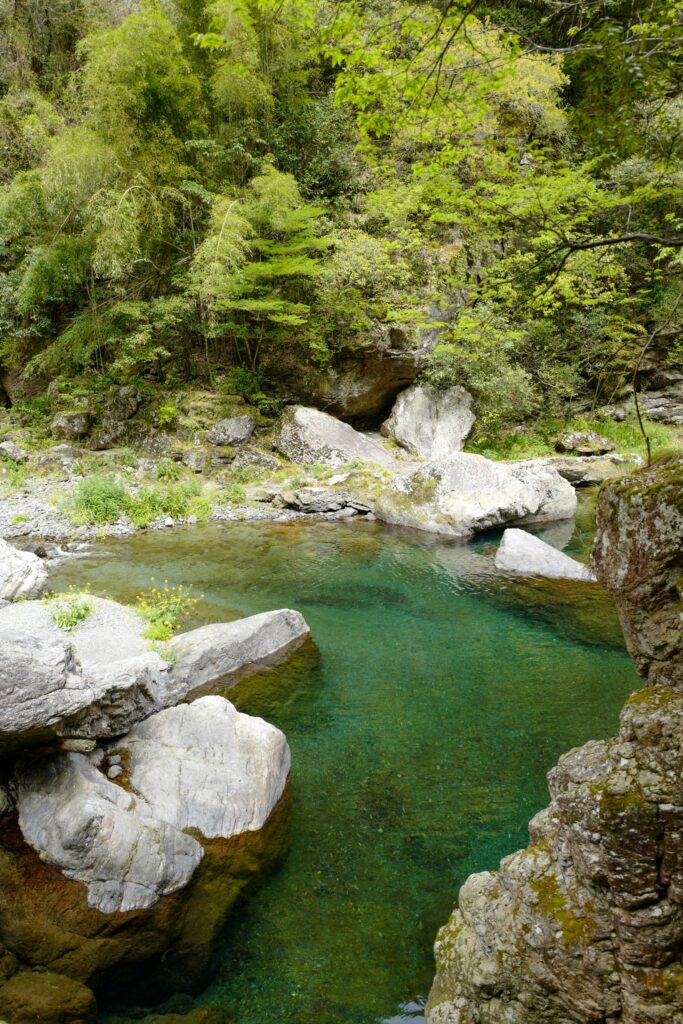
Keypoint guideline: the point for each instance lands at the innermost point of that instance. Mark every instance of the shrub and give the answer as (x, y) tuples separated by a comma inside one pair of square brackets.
[(99, 500), (234, 493), (165, 610)]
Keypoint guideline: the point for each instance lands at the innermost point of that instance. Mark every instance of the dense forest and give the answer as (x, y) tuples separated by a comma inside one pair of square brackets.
[(244, 192)]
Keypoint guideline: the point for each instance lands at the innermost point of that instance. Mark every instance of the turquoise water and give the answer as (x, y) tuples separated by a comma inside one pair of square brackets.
[(420, 737)]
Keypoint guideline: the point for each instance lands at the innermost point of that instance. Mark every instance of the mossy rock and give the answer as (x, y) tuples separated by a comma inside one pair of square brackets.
[(35, 997)]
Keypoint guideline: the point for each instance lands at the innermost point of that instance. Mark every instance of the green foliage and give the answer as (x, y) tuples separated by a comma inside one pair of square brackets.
[(98, 500), (165, 609), (259, 188), (68, 610)]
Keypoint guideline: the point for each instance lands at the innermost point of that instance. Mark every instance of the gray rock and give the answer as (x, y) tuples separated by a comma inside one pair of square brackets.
[(308, 436), (314, 499), (72, 426), (97, 833), (588, 470), (101, 678), (22, 574), (468, 493), (208, 767), (583, 442), (521, 552), (234, 430), (221, 653), (252, 457), (10, 450), (195, 459), (115, 772), (429, 422)]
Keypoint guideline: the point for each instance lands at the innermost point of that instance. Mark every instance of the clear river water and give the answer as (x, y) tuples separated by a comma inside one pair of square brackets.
[(421, 732)]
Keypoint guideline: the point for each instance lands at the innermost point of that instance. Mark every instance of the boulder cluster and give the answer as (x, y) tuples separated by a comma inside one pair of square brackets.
[(136, 801), (585, 926)]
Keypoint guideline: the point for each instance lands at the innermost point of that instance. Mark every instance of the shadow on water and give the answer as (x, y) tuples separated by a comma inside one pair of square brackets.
[(422, 723)]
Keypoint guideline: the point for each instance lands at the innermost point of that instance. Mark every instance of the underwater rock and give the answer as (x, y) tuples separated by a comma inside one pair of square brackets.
[(309, 436), (431, 422), (41, 997), (523, 553), (466, 494), (585, 926), (22, 574)]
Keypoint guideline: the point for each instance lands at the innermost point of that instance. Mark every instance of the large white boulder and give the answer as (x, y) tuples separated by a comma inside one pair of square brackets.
[(97, 833), (308, 436), (203, 766), (206, 766), (22, 574), (102, 677), (220, 653), (430, 422), (521, 552), (466, 494)]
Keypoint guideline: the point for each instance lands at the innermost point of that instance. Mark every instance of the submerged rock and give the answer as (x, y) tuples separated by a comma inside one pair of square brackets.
[(431, 422), (466, 494), (42, 997), (521, 552), (585, 926), (22, 574), (309, 436)]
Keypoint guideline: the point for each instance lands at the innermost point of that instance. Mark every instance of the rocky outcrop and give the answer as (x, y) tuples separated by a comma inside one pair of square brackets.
[(587, 470), (307, 436), (639, 555), (71, 426), (126, 831), (233, 430), (202, 766), (468, 493), (583, 442), (585, 926), (431, 422), (100, 678), (22, 574), (521, 552)]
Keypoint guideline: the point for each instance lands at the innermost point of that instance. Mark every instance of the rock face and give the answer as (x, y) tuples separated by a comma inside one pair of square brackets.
[(101, 678), (585, 926), (234, 430), (97, 833), (203, 766), (308, 436), (521, 552), (583, 442), (432, 423), (22, 574), (468, 493), (71, 426), (237, 764), (639, 555)]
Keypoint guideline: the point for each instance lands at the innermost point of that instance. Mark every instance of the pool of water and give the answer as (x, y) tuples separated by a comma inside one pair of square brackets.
[(421, 733)]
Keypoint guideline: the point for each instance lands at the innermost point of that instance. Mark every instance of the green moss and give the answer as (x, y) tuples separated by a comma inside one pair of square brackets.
[(553, 903)]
